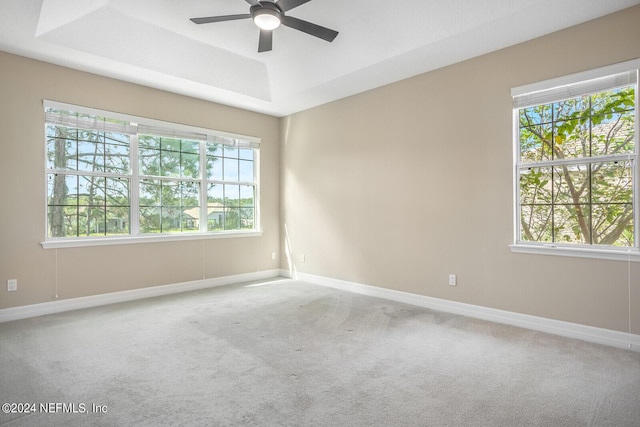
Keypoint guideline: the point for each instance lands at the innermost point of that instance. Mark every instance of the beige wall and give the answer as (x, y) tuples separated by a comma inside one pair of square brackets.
[(24, 83), (396, 187), (400, 186)]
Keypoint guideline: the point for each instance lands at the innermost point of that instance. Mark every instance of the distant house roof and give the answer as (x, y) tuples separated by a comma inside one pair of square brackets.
[(214, 208)]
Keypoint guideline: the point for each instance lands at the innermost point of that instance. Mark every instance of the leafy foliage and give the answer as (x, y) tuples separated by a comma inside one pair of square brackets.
[(582, 194)]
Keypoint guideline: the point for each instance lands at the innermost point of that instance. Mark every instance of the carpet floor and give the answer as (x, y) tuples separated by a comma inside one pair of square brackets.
[(289, 353)]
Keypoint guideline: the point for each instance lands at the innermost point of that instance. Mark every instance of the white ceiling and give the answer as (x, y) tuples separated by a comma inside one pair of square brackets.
[(152, 42)]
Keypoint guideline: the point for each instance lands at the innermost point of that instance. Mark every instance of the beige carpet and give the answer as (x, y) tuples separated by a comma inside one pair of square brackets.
[(293, 354)]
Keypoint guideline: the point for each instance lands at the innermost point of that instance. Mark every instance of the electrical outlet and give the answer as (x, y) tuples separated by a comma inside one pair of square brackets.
[(273, 255), (303, 258), (12, 285), (453, 280)]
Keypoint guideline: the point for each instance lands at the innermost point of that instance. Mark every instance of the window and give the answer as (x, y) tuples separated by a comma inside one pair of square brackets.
[(576, 162), (111, 176)]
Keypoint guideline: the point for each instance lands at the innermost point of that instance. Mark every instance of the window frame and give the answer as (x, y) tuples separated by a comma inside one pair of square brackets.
[(144, 126), (561, 88)]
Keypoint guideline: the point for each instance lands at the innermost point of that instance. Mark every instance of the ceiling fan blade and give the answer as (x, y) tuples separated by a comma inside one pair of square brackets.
[(210, 19), (253, 2), (290, 4), (309, 28), (265, 42)]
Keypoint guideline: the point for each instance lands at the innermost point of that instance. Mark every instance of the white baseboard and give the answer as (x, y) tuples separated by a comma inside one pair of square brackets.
[(566, 329), (571, 330), (58, 306)]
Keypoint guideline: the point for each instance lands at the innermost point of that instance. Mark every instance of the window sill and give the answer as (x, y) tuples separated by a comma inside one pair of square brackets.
[(599, 253), (127, 240)]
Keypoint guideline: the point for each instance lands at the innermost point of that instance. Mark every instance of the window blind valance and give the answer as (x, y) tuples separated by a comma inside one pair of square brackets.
[(103, 121), (88, 123), (594, 81)]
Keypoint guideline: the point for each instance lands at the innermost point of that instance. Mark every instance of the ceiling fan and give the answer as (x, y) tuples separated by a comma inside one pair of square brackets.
[(268, 15)]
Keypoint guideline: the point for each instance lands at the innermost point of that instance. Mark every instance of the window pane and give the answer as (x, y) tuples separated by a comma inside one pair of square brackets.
[(52, 152), (571, 108), (215, 194), (149, 219), (55, 131), (91, 191), (612, 182), (148, 141), (612, 195), (245, 154), (214, 168), (536, 115), (117, 192), (62, 189), (61, 154), (63, 221), (69, 194), (190, 194), (116, 159), (535, 143), (191, 219), (170, 194), (90, 156), (170, 163), (613, 134), (170, 144), (192, 147), (613, 224), (246, 218), (56, 218), (214, 149), (247, 196), (232, 195), (246, 171), (190, 167), (215, 218), (230, 170), (571, 139), (571, 224), (230, 152), (232, 219), (116, 138), (571, 184), (536, 223), (616, 100), (117, 220), (71, 221), (94, 221), (535, 186), (150, 192), (149, 160), (171, 219)]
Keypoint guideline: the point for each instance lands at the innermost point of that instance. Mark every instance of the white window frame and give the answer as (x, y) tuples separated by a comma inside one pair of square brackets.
[(140, 125), (567, 87)]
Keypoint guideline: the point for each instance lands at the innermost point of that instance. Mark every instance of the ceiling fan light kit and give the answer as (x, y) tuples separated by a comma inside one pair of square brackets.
[(268, 15)]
